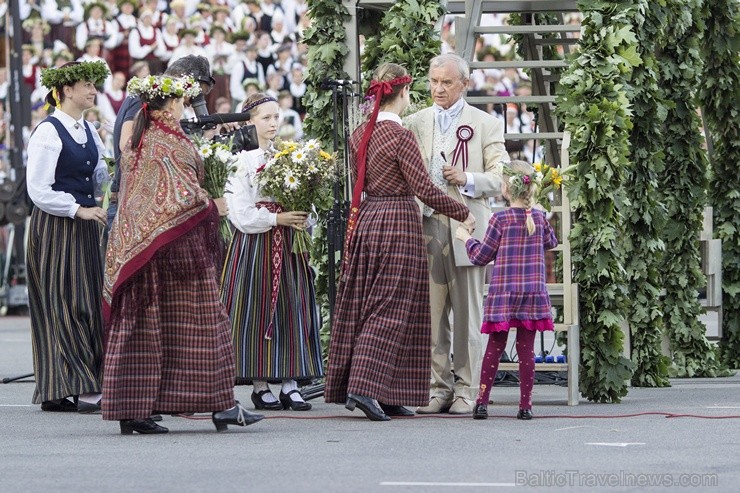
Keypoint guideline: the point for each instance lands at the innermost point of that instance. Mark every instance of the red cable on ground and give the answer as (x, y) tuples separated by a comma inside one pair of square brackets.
[(467, 416)]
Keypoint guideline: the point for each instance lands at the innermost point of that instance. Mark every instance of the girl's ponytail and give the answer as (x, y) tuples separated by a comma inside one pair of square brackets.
[(530, 221)]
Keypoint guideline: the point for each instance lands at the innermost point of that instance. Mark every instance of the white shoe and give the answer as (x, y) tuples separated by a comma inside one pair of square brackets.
[(461, 406), (437, 405)]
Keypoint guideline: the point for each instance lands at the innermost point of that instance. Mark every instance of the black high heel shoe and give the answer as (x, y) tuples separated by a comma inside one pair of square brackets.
[(391, 410), (367, 406), (525, 414), (260, 404), (480, 411), (237, 416), (289, 403), (143, 426)]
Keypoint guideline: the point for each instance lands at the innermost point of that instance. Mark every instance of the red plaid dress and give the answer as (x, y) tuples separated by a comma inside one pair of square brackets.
[(381, 337)]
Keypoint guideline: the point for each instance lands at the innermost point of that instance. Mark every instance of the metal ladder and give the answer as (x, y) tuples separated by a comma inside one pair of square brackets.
[(544, 76)]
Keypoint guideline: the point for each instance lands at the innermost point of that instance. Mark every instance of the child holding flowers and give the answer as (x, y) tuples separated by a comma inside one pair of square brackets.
[(268, 290), (516, 239)]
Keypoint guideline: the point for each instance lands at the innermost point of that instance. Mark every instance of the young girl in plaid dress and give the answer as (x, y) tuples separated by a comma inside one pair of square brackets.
[(516, 239)]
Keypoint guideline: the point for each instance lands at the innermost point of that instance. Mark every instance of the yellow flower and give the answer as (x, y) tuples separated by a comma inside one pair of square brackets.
[(538, 167), (557, 178), (325, 155)]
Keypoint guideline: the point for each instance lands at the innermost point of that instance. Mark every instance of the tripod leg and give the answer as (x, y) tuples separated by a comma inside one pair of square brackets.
[(19, 377)]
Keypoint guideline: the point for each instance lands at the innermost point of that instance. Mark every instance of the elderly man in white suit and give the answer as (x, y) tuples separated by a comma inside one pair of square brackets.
[(462, 147)]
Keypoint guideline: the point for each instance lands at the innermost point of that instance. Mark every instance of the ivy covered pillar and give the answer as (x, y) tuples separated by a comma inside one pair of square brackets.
[(594, 106), (684, 190), (645, 217), (720, 84)]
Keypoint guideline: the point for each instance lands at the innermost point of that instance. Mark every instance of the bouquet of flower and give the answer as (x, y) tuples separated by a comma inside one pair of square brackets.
[(548, 179), (219, 162), (300, 177)]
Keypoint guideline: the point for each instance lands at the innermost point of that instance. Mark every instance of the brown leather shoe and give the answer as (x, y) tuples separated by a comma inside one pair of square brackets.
[(461, 406), (437, 405)]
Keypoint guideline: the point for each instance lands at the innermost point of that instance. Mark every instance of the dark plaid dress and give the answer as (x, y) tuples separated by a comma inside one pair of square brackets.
[(169, 344), (381, 337)]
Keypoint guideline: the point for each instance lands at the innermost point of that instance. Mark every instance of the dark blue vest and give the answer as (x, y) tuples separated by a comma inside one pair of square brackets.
[(76, 164)]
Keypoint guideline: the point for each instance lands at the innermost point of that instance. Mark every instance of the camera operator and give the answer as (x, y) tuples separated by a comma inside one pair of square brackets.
[(193, 65)]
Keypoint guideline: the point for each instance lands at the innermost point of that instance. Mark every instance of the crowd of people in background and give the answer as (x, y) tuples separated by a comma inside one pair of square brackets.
[(252, 46)]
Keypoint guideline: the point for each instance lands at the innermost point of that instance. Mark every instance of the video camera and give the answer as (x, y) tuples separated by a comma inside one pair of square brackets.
[(244, 139)]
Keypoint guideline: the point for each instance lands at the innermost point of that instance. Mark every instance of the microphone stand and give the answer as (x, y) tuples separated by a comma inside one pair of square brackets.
[(342, 94), (334, 219)]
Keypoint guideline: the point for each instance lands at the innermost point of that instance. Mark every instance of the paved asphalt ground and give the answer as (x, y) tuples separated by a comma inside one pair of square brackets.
[(648, 439)]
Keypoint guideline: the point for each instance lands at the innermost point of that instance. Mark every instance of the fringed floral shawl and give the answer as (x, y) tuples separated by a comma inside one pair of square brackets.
[(161, 199)]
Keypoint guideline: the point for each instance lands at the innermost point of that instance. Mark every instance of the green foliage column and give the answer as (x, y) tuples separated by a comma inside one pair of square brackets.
[(593, 104), (720, 98), (684, 190), (645, 217), (407, 36)]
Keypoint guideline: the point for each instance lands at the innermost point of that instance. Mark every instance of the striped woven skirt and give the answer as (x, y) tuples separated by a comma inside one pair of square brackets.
[(65, 282), (169, 347), (381, 334), (294, 350)]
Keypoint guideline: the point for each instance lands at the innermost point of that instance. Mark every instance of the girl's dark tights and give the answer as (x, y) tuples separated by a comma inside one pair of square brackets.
[(525, 352)]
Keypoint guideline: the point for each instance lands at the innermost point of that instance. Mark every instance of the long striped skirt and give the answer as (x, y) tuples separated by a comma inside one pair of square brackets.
[(169, 346), (65, 282), (381, 334), (294, 350)]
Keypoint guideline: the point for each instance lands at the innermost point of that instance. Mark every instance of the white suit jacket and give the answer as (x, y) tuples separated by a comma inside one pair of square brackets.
[(485, 150)]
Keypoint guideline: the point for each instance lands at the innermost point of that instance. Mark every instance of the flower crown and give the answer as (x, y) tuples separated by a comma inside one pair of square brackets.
[(162, 87), (519, 183), (68, 74)]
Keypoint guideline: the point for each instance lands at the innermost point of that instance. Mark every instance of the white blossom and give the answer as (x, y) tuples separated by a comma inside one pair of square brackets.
[(312, 144), (291, 181), (299, 156), (205, 151), (223, 155)]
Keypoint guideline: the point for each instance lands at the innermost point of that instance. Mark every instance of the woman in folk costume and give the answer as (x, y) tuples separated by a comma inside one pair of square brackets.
[(143, 42), (64, 266), (169, 344), (126, 22), (267, 289), (379, 356), (97, 25)]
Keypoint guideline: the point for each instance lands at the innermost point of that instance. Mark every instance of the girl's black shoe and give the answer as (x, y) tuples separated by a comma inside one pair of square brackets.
[(289, 403), (143, 426), (63, 406), (480, 411), (260, 404), (524, 414), (237, 416)]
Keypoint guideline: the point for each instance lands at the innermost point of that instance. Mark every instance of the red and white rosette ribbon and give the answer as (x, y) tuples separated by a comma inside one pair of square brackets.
[(464, 134)]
